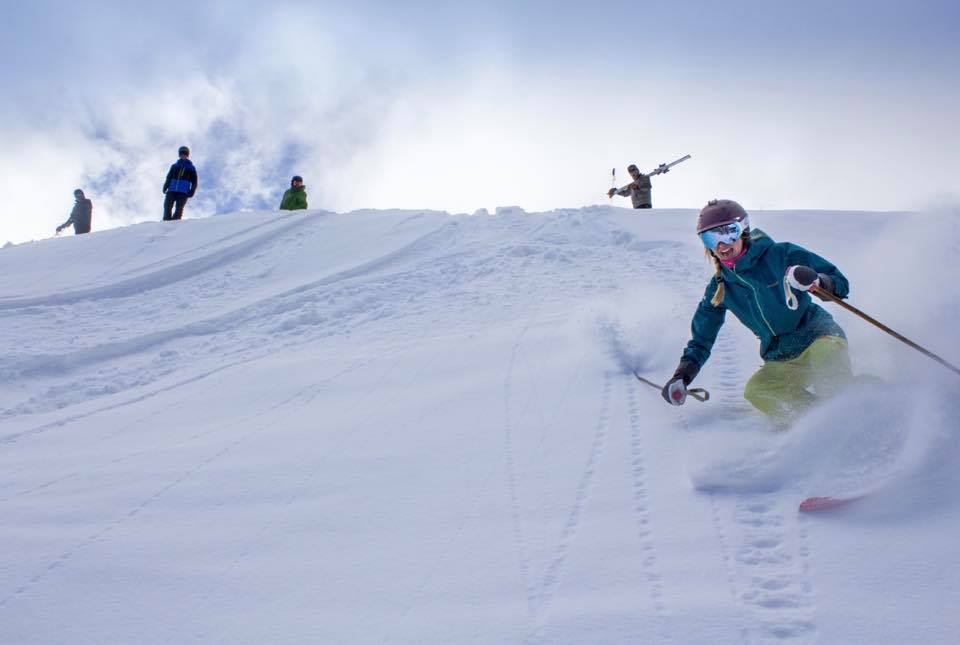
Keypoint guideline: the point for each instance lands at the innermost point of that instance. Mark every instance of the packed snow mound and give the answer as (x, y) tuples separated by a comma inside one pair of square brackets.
[(427, 426)]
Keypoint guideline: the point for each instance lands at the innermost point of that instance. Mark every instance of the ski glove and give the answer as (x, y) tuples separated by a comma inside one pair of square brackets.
[(802, 277), (675, 391), (826, 283)]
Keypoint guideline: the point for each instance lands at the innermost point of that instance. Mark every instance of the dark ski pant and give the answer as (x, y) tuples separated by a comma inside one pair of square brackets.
[(180, 199)]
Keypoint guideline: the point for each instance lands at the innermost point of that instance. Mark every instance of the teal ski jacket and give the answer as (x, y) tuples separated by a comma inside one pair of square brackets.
[(754, 293)]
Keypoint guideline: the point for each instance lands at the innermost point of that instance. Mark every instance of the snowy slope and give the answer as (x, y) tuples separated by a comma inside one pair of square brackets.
[(412, 427)]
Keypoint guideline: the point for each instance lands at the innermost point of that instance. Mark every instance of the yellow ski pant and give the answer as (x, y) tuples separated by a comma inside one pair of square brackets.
[(781, 389)]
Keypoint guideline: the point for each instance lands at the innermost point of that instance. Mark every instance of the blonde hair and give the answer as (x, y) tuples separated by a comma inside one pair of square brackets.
[(718, 294)]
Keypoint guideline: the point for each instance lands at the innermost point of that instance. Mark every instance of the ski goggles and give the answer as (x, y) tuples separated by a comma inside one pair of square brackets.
[(725, 233)]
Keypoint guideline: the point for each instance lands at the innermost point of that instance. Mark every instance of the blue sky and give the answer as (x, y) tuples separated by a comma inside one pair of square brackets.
[(845, 105)]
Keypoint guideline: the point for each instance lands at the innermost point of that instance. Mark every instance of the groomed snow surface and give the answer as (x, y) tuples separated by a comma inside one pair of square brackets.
[(396, 427)]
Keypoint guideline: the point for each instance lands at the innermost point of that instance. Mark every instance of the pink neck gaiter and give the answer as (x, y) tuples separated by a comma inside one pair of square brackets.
[(729, 263)]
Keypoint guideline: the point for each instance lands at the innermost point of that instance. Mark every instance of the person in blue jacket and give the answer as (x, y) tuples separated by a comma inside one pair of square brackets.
[(765, 285), (181, 185)]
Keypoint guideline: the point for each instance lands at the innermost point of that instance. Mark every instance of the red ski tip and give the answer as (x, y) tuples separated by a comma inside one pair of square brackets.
[(823, 503)]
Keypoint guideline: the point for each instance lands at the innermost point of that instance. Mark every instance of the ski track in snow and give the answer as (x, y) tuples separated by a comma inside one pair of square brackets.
[(769, 556), (768, 567), (67, 420), (304, 475), (112, 434), (437, 565), (270, 223), (166, 274), (299, 400), (287, 313), (683, 280), (552, 575), (103, 532), (308, 393), (541, 589), (766, 556), (513, 488), (723, 544), (645, 524)]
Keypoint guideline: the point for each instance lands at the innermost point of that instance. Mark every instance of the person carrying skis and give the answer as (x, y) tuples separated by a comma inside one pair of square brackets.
[(81, 216), (181, 185), (765, 284), (295, 197), (639, 189)]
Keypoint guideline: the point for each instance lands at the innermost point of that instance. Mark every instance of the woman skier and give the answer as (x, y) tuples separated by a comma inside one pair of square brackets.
[(765, 285)]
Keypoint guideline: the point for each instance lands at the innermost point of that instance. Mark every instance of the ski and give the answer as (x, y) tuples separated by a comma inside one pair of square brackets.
[(665, 167), (827, 502)]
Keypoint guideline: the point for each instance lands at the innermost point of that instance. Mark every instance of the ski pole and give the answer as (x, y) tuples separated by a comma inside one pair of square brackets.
[(829, 296), (698, 393), (613, 181)]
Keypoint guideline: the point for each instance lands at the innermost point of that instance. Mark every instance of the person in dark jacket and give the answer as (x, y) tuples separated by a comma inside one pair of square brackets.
[(639, 190), (181, 185), (765, 285), (81, 216), (295, 197)]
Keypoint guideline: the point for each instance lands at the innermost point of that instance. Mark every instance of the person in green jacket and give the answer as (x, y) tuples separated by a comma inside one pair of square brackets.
[(765, 285), (295, 197)]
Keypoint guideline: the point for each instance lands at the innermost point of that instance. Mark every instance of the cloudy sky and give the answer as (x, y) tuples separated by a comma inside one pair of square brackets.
[(820, 104)]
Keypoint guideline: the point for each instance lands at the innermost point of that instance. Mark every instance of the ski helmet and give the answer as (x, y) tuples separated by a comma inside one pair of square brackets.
[(718, 212), (632, 167), (184, 150), (296, 178), (78, 193)]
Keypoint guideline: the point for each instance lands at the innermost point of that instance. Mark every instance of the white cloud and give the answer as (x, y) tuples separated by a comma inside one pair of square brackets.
[(446, 109)]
